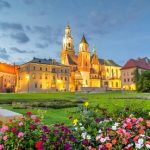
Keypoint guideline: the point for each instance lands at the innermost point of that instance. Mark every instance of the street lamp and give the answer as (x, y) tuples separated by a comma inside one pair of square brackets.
[(28, 77)]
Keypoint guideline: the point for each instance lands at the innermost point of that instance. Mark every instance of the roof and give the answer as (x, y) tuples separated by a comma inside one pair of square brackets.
[(83, 40), (45, 61), (108, 62), (7, 68), (132, 63), (72, 60)]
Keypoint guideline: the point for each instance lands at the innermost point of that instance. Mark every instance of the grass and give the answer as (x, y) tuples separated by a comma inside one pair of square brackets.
[(109, 100)]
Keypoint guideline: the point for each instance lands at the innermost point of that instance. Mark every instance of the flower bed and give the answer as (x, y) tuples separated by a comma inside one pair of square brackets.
[(90, 131)]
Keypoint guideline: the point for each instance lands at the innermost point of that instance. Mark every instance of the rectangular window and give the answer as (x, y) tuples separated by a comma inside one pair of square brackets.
[(35, 85), (41, 86)]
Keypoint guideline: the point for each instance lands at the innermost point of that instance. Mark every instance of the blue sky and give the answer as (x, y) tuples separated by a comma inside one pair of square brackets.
[(119, 29)]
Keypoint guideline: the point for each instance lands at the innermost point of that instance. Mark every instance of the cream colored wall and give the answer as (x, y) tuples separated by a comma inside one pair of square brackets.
[(46, 80), (127, 78)]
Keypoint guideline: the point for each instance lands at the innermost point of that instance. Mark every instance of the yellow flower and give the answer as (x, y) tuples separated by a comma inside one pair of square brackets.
[(86, 104), (75, 121), (149, 113)]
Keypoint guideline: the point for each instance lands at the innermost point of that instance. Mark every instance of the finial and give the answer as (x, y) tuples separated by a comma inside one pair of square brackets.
[(94, 49)]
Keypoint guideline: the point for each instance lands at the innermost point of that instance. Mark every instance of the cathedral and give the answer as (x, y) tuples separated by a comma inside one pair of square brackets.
[(87, 70)]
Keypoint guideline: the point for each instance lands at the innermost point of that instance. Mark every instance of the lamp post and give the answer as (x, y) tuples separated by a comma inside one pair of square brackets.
[(28, 77)]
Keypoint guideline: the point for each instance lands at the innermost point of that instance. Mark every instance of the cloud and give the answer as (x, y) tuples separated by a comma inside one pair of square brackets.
[(15, 49), (46, 35), (20, 37), (40, 45), (11, 26), (3, 54), (4, 4)]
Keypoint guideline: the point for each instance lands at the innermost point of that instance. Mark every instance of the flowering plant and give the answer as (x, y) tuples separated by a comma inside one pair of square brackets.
[(91, 130)]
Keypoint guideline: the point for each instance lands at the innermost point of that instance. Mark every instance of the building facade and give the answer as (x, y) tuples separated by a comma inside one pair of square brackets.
[(86, 69), (8, 75), (42, 75), (129, 69)]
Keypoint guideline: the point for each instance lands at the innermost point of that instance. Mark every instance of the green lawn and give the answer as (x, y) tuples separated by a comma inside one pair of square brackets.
[(109, 100)]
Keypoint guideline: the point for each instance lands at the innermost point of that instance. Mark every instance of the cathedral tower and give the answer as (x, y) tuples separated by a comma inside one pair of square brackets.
[(84, 61), (67, 45), (84, 56)]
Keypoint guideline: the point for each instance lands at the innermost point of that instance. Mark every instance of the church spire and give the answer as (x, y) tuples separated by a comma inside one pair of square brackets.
[(83, 40)]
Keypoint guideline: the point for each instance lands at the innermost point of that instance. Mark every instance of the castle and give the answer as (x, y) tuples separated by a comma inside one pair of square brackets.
[(76, 72), (88, 70)]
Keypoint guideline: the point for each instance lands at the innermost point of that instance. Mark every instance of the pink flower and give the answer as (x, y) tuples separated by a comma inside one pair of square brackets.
[(20, 124), (33, 117), (98, 137), (1, 147), (141, 119), (4, 129), (5, 137), (20, 134), (148, 123)]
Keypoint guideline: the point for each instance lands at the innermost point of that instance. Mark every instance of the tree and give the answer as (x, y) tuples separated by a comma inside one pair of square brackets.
[(136, 77), (143, 83)]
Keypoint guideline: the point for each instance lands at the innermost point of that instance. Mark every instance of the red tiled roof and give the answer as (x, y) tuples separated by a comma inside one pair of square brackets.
[(6, 68), (131, 63)]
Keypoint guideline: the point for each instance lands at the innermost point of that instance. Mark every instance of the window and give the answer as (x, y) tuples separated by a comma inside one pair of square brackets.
[(45, 69), (41, 86), (116, 84), (53, 70), (40, 68), (35, 85), (112, 84), (124, 80), (40, 76), (34, 68), (61, 78), (33, 76), (128, 80), (65, 78), (46, 77)]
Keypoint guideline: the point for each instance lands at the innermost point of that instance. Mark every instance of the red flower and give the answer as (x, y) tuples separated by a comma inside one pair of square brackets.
[(32, 126), (29, 113), (39, 145), (13, 129), (129, 125)]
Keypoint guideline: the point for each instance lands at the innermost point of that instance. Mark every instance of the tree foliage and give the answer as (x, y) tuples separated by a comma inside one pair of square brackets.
[(143, 84)]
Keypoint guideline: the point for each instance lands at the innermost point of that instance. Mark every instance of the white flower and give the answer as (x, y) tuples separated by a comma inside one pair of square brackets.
[(138, 146), (102, 140), (76, 128), (100, 131), (148, 146), (82, 128), (80, 124), (142, 135), (88, 137), (140, 141), (84, 135), (114, 128), (116, 124)]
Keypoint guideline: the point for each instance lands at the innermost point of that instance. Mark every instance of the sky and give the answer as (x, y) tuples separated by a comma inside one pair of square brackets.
[(118, 29)]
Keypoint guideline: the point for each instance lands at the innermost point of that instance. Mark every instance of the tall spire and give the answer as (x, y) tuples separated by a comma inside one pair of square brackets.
[(94, 49), (83, 40)]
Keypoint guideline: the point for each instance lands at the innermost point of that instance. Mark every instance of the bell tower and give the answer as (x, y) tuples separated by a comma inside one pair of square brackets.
[(84, 62), (84, 56), (67, 45)]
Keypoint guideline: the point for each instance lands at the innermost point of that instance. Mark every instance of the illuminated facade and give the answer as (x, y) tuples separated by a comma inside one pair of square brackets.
[(87, 70), (128, 72), (42, 75), (8, 74)]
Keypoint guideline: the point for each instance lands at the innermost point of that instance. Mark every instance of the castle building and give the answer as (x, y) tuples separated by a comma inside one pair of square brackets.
[(42, 75), (128, 71), (8, 75), (88, 70)]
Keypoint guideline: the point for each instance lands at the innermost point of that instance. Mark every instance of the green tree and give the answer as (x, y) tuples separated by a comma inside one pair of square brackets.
[(143, 84), (136, 77)]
